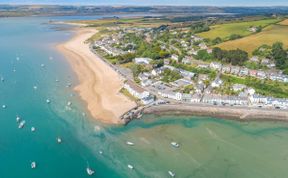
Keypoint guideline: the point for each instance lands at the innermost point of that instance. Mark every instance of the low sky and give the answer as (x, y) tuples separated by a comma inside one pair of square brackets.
[(155, 2)]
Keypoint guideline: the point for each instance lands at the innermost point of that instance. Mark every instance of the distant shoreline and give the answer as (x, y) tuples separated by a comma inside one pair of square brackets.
[(234, 113)]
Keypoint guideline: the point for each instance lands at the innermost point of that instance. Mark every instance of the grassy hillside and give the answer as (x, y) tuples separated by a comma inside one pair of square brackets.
[(126, 22), (240, 28), (268, 36)]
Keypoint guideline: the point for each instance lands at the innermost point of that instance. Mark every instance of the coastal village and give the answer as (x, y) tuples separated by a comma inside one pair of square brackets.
[(178, 73)]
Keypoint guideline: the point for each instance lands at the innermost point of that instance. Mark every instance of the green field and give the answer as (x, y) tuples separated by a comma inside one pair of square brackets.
[(268, 36), (240, 28), (126, 22)]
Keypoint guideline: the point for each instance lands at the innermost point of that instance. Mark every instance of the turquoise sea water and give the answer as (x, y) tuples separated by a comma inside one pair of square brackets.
[(209, 148)]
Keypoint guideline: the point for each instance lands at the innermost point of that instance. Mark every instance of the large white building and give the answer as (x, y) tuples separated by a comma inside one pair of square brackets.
[(142, 60), (171, 95), (138, 92)]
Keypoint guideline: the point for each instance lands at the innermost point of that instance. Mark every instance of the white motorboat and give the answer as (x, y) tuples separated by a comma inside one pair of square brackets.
[(89, 171), (2, 79), (4, 106), (100, 152), (59, 140), (130, 166), (175, 144), (172, 174), (42, 65), (48, 101), (22, 124), (130, 143), (35, 87), (33, 129), (33, 165)]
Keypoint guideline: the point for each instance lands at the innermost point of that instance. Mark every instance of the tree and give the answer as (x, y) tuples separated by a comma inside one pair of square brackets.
[(237, 57), (279, 55), (203, 55), (218, 53), (234, 37), (216, 41)]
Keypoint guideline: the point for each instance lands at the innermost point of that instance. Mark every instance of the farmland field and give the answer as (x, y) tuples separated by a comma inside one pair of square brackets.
[(268, 36), (284, 22), (240, 28)]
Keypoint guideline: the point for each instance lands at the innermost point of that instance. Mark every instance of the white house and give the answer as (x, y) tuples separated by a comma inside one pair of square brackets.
[(171, 95), (216, 83), (215, 65), (142, 60), (138, 92), (175, 57), (258, 99)]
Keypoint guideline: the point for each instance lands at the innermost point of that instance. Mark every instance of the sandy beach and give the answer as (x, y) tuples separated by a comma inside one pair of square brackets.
[(99, 85)]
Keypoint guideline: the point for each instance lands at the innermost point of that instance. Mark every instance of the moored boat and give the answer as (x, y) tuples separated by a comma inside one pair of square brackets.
[(175, 144), (33, 165), (89, 171), (172, 174), (33, 129), (130, 166), (130, 143), (59, 140), (22, 124)]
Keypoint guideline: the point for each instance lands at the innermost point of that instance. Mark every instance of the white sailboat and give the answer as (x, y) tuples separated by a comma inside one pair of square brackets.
[(69, 103), (33, 129), (59, 140), (18, 119)]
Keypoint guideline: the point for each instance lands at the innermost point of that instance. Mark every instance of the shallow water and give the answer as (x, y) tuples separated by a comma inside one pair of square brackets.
[(208, 147)]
